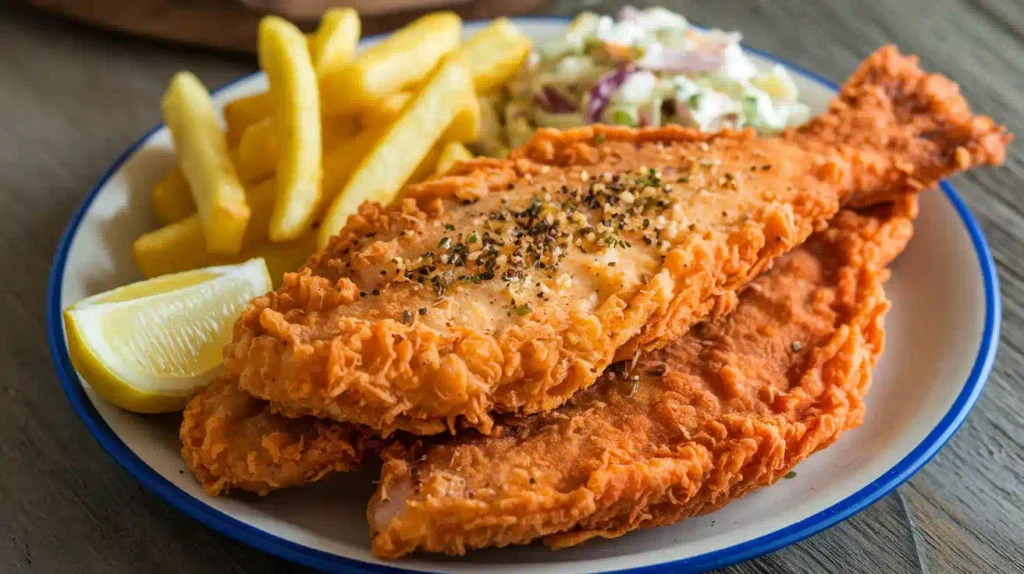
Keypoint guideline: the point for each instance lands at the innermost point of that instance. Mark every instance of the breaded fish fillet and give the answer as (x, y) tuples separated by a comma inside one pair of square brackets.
[(231, 440), (729, 407), (507, 286)]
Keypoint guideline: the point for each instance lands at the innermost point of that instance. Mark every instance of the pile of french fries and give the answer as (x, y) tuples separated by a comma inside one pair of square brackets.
[(336, 128)]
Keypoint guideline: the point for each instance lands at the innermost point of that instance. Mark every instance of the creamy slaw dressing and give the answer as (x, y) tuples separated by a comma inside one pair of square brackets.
[(643, 68)]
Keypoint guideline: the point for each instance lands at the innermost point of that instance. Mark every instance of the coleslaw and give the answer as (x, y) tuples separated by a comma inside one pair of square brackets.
[(644, 68)]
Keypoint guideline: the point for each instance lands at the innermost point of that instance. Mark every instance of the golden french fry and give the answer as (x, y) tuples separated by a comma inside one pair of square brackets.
[(403, 146), (242, 113), (399, 61), (451, 154), (335, 40), (385, 111), (172, 199), (284, 56), (466, 125), (180, 246), (427, 166), (341, 160), (203, 157), (495, 54), (256, 156), (336, 130)]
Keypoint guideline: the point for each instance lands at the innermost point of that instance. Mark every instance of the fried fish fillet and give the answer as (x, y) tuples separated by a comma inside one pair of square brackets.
[(728, 408), (231, 440), (507, 286)]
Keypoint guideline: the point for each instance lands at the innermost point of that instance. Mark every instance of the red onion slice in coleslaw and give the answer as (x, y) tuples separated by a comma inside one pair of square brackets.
[(605, 88), (553, 101)]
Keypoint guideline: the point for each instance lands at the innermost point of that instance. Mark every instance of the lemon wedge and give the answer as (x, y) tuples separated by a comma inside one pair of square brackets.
[(146, 347)]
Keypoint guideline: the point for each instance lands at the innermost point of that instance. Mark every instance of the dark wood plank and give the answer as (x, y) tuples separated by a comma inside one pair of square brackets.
[(74, 98)]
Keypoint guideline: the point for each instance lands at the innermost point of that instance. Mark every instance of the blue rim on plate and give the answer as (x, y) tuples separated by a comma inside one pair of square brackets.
[(267, 542)]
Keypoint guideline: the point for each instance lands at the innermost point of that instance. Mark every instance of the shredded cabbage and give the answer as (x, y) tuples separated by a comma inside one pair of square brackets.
[(644, 68)]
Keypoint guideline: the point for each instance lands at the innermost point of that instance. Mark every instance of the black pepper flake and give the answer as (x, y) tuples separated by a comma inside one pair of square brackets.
[(449, 227), (407, 317), (422, 310), (657, 370), (533, 480), (375, 292), (441, 282)]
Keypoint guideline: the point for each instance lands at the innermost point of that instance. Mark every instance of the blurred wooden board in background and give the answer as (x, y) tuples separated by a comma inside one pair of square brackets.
[(230, 25)]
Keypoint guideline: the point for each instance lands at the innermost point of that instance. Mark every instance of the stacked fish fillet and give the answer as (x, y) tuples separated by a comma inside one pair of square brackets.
[(613, 329)]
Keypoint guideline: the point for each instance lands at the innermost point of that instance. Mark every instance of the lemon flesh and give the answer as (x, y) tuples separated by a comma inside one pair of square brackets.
[(148, 346)]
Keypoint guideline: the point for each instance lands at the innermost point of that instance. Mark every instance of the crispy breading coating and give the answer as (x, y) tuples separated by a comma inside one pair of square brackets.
[(728, 408), (232, 441), (507, 286)]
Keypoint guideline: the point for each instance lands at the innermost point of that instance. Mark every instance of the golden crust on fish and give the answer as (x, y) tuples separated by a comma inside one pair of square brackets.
[(232, 441), (729, 407), (507, 286)]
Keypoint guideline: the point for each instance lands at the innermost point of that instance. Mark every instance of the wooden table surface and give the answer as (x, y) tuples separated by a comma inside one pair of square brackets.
[(71, 99)]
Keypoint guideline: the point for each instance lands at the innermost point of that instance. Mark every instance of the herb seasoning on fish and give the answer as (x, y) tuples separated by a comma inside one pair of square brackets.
[(599, 213)]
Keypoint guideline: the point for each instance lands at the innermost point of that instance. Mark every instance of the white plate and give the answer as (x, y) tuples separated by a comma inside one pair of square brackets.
[(941, 340)]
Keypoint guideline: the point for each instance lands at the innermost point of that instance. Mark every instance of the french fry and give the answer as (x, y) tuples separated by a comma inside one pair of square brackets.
[(342, 160), (256, 156), (451, 153), (336, 130), (284, 56), (335, 40), (330, 48), (242, 113), (385, 111), (180, 246), (495, 54), (172, 199), (400, 61), (394, 157), (466, 125), (427, 166), (203, 157)]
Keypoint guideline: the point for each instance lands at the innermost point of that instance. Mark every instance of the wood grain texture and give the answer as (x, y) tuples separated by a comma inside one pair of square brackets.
[(231, 25), (72, 99)]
